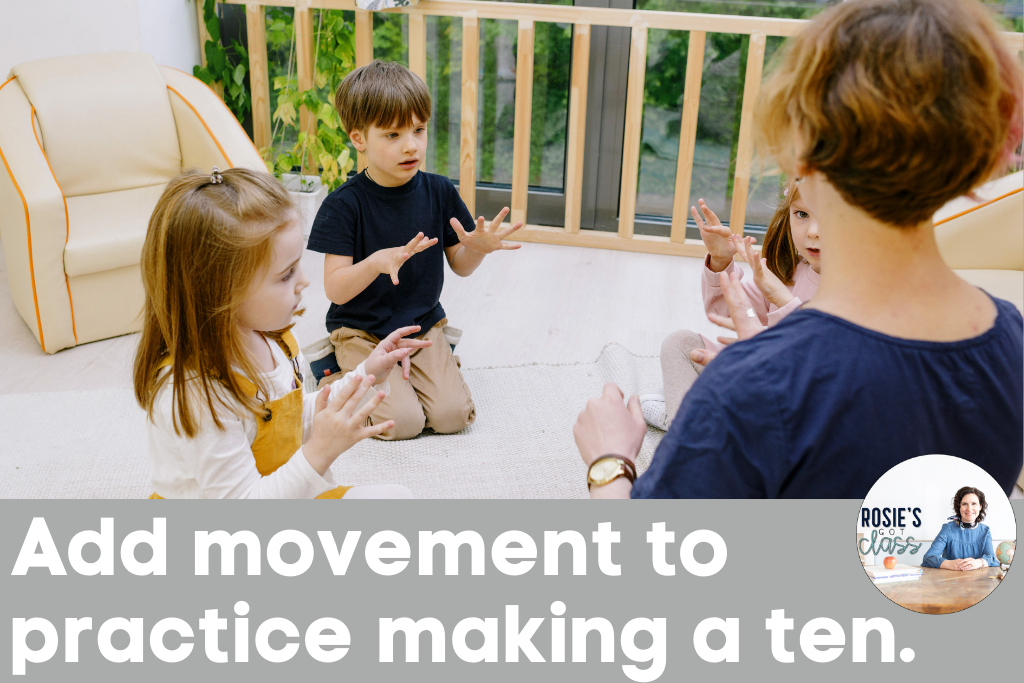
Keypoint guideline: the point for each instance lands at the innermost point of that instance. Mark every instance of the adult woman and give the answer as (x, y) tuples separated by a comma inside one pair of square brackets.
[(883, 110), (963, 543)]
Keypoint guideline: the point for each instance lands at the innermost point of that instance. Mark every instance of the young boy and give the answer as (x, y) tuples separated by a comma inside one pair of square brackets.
[(385, 220)]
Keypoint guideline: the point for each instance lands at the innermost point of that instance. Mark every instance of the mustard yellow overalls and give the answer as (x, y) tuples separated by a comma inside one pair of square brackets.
[(279, 434)]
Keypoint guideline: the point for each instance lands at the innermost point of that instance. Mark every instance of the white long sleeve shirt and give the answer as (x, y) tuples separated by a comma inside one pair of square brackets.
[(220, 463)]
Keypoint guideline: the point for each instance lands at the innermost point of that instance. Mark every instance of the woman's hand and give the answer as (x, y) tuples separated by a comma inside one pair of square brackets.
[(963, 565), (741, 320), (393, 349), (774, 290), (717, 238), (606, 427), (338, 424)]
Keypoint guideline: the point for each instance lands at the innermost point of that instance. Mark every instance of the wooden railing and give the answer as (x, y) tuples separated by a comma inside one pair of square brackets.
[(582, 18)]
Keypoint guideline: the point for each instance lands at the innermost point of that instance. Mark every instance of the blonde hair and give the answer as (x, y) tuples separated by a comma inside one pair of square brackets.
[(205, 245), (902, 105), (779, 248)]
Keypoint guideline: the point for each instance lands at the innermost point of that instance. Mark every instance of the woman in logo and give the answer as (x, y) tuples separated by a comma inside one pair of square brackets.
[(963, 543)]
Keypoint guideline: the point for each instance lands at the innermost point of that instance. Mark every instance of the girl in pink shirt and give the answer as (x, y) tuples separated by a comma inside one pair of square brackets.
[(784, 279)]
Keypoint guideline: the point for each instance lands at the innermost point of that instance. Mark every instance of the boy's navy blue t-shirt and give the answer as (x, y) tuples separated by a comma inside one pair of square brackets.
[(817, 407), (361, 217)]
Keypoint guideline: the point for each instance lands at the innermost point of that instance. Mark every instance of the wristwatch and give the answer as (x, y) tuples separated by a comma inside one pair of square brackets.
[(608, 468)]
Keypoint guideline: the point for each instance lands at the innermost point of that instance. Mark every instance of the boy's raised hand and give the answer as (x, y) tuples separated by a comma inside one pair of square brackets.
[(393, 349), (388, 261), (486, 239), (717, 238)]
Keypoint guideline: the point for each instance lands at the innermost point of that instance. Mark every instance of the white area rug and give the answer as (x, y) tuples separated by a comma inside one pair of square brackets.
[(92, 444)]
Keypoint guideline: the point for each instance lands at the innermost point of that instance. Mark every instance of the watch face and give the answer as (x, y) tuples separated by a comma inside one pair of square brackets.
[(605, 469)]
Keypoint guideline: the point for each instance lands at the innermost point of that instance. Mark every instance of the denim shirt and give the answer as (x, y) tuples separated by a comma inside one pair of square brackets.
[(954, 543)]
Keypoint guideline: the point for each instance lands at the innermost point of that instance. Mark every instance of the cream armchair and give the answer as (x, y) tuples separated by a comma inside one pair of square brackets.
[(982, 237), (88, 144)]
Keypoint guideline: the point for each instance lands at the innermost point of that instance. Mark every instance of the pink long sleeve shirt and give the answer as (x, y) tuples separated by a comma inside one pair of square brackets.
[(805, 284)]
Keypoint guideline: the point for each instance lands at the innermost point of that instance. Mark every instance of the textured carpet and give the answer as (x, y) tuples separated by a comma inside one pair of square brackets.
[(92, 444)]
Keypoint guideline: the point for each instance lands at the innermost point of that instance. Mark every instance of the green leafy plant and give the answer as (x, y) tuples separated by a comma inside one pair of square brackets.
[(334, 57), (225, 66)]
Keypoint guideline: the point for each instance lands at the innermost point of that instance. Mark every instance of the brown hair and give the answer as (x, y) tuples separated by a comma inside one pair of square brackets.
[(205, 245), (381, 94), (958, 498), (901, 104), (779, 248)]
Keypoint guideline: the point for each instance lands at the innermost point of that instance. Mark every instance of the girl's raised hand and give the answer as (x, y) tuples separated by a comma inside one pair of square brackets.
[(717, 238), (338, 424), (485, 239), (742, 320), (774, 290), (393, 349)]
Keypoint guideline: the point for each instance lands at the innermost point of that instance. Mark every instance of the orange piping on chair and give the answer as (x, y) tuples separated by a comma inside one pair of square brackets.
[(221, 104), (67, 221), (28, 230), (983, 204), (214, 137)]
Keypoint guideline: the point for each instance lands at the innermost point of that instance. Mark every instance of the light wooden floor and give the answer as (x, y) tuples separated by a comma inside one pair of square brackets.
[(539, 304)]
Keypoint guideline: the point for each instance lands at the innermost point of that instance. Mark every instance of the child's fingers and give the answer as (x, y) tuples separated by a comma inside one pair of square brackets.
[(702, 356), (359, 416), (406, 364), (499, 218), (696, 217), (753, 258), (395, 338), (457, 227), (375, 430), (509, 247), (350, 405), (505, 233), (414, 241), (709, 215), (322, 398), (725, 341), (413, 343), (423, 246), (722, 321), (341, 396)]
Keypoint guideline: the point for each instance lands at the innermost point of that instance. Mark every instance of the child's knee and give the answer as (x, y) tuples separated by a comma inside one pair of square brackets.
[(681, 342), (452, 417), (409, 422)]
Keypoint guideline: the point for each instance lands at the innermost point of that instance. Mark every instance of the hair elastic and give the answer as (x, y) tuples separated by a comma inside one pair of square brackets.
[(215, 177)]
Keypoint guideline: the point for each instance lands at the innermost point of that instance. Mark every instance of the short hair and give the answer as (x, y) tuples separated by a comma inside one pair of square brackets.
[(902, 105), (381, 94), (960, 496)]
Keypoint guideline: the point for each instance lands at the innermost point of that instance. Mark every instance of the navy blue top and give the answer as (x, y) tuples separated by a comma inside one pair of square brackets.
[(954, 543), (361, 217), (817, 407)]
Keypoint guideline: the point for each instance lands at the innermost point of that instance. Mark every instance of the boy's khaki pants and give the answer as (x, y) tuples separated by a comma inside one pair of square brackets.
[(435, 396)]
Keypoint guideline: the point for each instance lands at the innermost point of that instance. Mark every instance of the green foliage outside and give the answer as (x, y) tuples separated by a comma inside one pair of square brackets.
[(226, 67)]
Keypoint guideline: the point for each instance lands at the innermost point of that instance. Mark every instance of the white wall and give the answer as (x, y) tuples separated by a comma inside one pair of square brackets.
[(34, 29), (929, 483)]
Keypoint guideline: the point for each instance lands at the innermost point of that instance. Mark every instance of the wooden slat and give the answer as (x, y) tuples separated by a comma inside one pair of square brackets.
[(745, 146), (634, 121), (568, 14), (304, 67), (470, 80), (524, 114), (577, 127), (204, 35), (599, 239), (418, 54), (259, 83), (364, 55), (687, 135)]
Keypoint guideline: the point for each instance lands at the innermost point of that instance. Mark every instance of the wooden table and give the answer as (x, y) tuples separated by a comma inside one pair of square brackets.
[(941, 591)]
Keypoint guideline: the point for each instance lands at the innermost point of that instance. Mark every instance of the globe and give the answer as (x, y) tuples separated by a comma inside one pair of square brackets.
[(1004, 552)]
